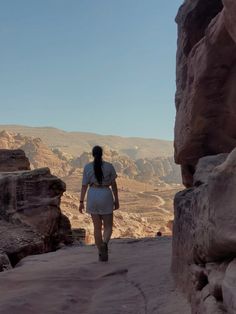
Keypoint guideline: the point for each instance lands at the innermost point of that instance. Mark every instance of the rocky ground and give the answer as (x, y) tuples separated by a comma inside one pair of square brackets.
[(146, 185), (136, 280), (150, 210)]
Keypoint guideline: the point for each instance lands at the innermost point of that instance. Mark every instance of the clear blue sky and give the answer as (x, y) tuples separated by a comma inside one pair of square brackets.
[(103, 66)]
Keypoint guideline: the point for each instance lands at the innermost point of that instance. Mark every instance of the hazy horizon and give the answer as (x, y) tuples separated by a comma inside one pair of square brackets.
[(104, 67), (81, 131)]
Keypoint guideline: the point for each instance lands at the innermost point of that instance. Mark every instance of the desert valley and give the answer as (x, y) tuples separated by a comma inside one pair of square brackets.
[(148, 179), (48, 261)]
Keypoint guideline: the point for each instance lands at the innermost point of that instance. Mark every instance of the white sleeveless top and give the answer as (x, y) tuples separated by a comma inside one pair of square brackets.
[(109, 174)]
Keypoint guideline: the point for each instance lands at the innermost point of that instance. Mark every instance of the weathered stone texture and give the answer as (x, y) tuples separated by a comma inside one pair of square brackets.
[(206, 76), (204, 236), (31, 221), (32, 198), (204, 232), (229, 287), (13, 160)]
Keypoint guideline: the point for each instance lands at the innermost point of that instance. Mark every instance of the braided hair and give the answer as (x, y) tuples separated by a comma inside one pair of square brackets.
[(97, 163)]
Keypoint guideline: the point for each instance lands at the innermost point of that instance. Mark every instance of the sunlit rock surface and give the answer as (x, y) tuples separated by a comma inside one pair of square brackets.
[(204, 236), (31, 221), (206, 76)]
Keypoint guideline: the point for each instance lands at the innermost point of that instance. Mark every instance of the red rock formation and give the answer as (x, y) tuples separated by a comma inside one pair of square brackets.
[(39, 154), (30, 217), (204, 236), (204, 231), (206, 75), (13, 160), (18, 240)]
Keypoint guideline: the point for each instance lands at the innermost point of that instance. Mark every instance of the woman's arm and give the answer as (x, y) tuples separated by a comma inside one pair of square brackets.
[(115, 192), (82, 196)]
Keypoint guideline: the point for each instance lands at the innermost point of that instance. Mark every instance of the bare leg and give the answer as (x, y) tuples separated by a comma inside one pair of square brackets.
[(97, 224), (108, 223)]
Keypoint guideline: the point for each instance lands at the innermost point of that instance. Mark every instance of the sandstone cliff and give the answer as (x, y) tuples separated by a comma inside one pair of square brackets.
[(205, 97), (155, 170), (204, 238), (31, 221), (39, 154)]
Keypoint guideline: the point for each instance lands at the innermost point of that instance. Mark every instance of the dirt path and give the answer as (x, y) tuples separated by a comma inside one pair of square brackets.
[(136, 280), (159, 199)]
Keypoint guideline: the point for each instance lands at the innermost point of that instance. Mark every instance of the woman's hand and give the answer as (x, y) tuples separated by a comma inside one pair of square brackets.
[(116, 204), (81, 207), (82, 196)]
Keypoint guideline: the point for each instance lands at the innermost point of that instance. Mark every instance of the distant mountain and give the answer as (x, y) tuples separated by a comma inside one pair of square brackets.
[(39, 154), (152, 170), (75, 143), (62, 163)]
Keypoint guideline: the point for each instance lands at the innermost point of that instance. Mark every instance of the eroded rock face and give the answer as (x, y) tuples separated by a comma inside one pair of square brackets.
[(230, 17), (229, 287), (17, 241), (31, 221), (36, 151), (206, 76), (204, 236), (204, 232), (13, 160)]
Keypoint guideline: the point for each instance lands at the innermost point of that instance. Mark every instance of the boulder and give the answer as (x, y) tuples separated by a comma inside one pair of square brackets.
[(31, 221), (207, 214), (204, 233), (205, 167), (32, 198), (13, 160)]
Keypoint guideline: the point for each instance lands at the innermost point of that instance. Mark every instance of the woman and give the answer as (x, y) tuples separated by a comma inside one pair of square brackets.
[(99, 175)]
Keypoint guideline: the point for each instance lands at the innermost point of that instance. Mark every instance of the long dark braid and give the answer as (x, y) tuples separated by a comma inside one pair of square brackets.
[(97, 164)]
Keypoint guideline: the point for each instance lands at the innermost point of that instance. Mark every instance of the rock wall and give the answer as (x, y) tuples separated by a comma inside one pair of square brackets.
[(206, 75), (204, 231), (37, 152), (31, 221), (13, 160), (204, 241)]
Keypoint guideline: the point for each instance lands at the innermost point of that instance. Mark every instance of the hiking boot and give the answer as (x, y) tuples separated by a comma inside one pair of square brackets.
[(103, 253)]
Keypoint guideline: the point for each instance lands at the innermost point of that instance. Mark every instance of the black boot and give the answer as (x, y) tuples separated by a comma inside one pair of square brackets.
[(103, 253)]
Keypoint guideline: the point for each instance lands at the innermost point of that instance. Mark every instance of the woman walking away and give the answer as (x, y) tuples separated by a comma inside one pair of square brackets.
[(100, 175)]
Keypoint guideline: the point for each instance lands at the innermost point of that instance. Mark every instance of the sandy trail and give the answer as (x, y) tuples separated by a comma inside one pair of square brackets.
[(136, 280), (161, 201)]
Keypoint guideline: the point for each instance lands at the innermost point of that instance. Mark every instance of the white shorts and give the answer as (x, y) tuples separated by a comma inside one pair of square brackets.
[(100, 201)]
